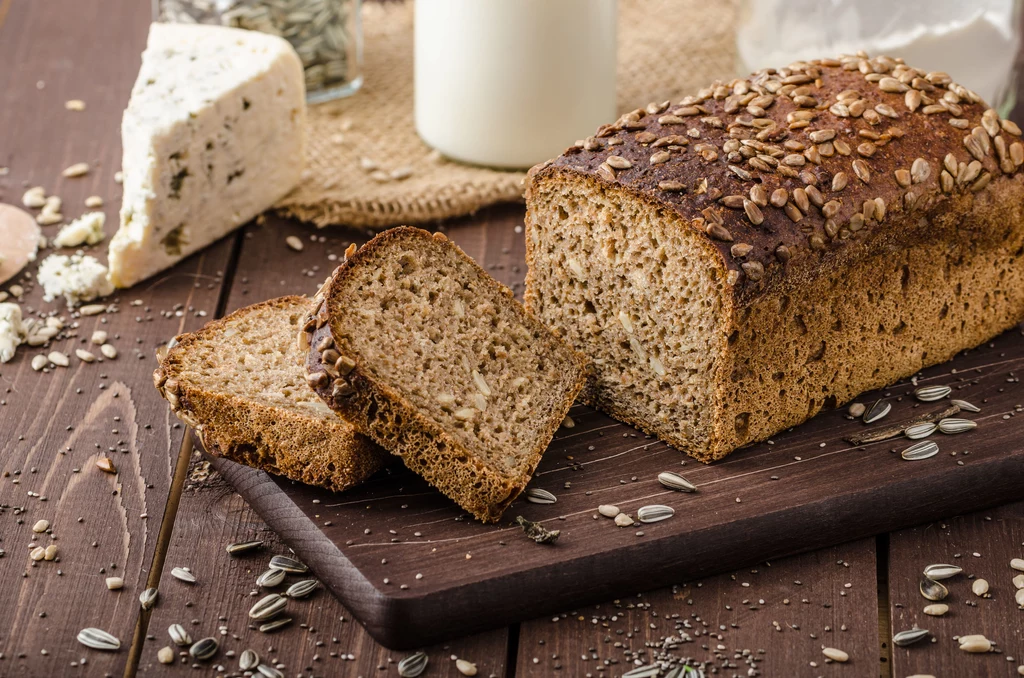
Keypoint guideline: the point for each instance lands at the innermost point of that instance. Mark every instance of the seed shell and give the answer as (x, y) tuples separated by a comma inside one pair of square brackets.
[(248, 660), (941, 571), (921, 430), (643, 672), (413, 665), (927, 394), (98, 639), (275, 625), (204, 649), (877, 411), (932, 590), (951, 425), (242, 547), (269, 671), (536, 495), (674, 481), (147, 599), (184, 575), (965, 406), (270, 578), (921, 450), (179, 636), (268, 607), (905, 638), (654, 513), (288, 565), (302, 589)]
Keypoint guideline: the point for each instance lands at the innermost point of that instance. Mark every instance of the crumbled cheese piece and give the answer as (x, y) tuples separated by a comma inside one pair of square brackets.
[(77, 278), (85, 230), (214, 134), (12, 332)]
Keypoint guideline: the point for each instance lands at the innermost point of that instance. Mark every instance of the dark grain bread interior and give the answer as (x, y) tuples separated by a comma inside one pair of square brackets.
[(239, 382), (421, 350), (738, 260)]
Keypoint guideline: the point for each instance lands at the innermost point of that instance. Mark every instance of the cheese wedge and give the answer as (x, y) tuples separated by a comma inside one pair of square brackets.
[(213, 135)]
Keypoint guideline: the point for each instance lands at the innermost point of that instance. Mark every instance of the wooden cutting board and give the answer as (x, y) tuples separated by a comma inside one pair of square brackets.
[(415, 569)]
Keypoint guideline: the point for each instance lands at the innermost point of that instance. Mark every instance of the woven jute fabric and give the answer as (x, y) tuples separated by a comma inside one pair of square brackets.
[(667, 49)]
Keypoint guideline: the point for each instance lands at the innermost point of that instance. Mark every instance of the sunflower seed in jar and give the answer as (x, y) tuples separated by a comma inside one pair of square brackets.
[(272, 626), (654, 513), (248, 660), (270, 578), (268, 607), (965, 406), (269, 671), (147, 599), (98, 639), (204, 649), (302, 589), (179, 636), (288, 565), (921, 430), (922, 450), (941, 571), (413, 665), (953, 425), (927, 394), (932, 590), (905, 638), (674, 481), (242, 547), (877, 411), (183, 574), (536, 495)]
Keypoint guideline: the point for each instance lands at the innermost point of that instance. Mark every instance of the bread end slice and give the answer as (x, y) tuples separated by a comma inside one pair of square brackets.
[(240, 384), (421, 350)]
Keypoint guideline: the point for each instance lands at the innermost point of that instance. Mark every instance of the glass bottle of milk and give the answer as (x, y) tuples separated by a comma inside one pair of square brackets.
[(974, 41)]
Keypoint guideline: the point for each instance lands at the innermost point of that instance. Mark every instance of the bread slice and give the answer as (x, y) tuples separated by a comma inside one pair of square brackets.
[(421, 350), (240, 384)]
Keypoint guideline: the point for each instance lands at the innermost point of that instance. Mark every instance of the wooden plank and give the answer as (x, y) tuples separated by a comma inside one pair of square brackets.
[(210, 516), (982, 544), (775, 618), (55, 424)]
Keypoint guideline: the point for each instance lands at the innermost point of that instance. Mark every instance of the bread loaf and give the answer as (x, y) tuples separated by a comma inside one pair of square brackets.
[(239, 382), (736, 261), (433, 359)]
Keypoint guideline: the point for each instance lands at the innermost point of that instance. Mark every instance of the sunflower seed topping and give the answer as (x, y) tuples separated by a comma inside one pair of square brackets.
[(302, 589), (927, 394), (98, 639), (654, 513), (921, 430), (271, 578), (413, 665), (536, 495), (268, 607), (204, 649), (179, 636), (921, 450), (955, 425), (932, 590), (877, 411), (184, 574), (674, 481), (905, 638), (288, 565), (941, 571)]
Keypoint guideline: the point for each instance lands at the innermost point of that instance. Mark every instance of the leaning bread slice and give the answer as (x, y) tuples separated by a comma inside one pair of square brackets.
[(421, 350), (239, 382)]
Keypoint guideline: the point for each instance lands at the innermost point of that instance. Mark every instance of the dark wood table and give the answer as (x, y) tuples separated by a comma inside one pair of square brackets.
[(166, 508)]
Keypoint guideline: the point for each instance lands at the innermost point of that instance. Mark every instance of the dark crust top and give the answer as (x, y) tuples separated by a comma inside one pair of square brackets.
[(722, 159)]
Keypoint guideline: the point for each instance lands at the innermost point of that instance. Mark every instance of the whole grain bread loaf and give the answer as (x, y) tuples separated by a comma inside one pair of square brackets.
[(736, 261), (425, 353), (239, 382)]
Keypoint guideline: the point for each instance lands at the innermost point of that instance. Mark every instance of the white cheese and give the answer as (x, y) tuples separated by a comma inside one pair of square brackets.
[(12, 332), (85, 230), (77, 278), (213, 135)]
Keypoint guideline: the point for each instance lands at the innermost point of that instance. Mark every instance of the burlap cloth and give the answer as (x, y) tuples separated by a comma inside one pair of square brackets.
[(667, 48)]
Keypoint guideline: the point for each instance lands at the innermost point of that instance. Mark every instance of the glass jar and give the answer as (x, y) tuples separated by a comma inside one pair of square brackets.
[(975, 42), (326, 34)]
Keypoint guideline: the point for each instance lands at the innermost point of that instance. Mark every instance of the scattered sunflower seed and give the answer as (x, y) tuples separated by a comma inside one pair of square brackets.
[(1017, 564), (179, 636), (248, 660), (921, 430), (106, 464), (1018, 596), (1018, 581), (877, 411), (242, 547), (294, 242), (204, 649), (288, 565), (941, 571), (413, 665), (275, 625), (76, 170), (183, 574), (608, 511), (654, 513), (905, 638), (165, 655), (41, 526), (270, 578), (148, 598), (466, 668), (536, 495), (921, 450), (927, 394), (836, 655), (643, 672), (623, 520), (98, 639), (108, 351), (268, 607), (674, 481), (932, 590), (966, 406), (953, 425), (975, 644), (856, 410), (979, 587), (302, 589), (936, 609), (269, 671), (114, 583)]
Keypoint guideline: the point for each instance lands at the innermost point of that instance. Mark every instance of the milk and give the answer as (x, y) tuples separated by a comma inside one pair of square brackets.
[(511, 83)]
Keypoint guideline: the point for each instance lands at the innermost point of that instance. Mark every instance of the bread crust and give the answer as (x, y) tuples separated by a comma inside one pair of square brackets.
[(379, 411), (310, 450)]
